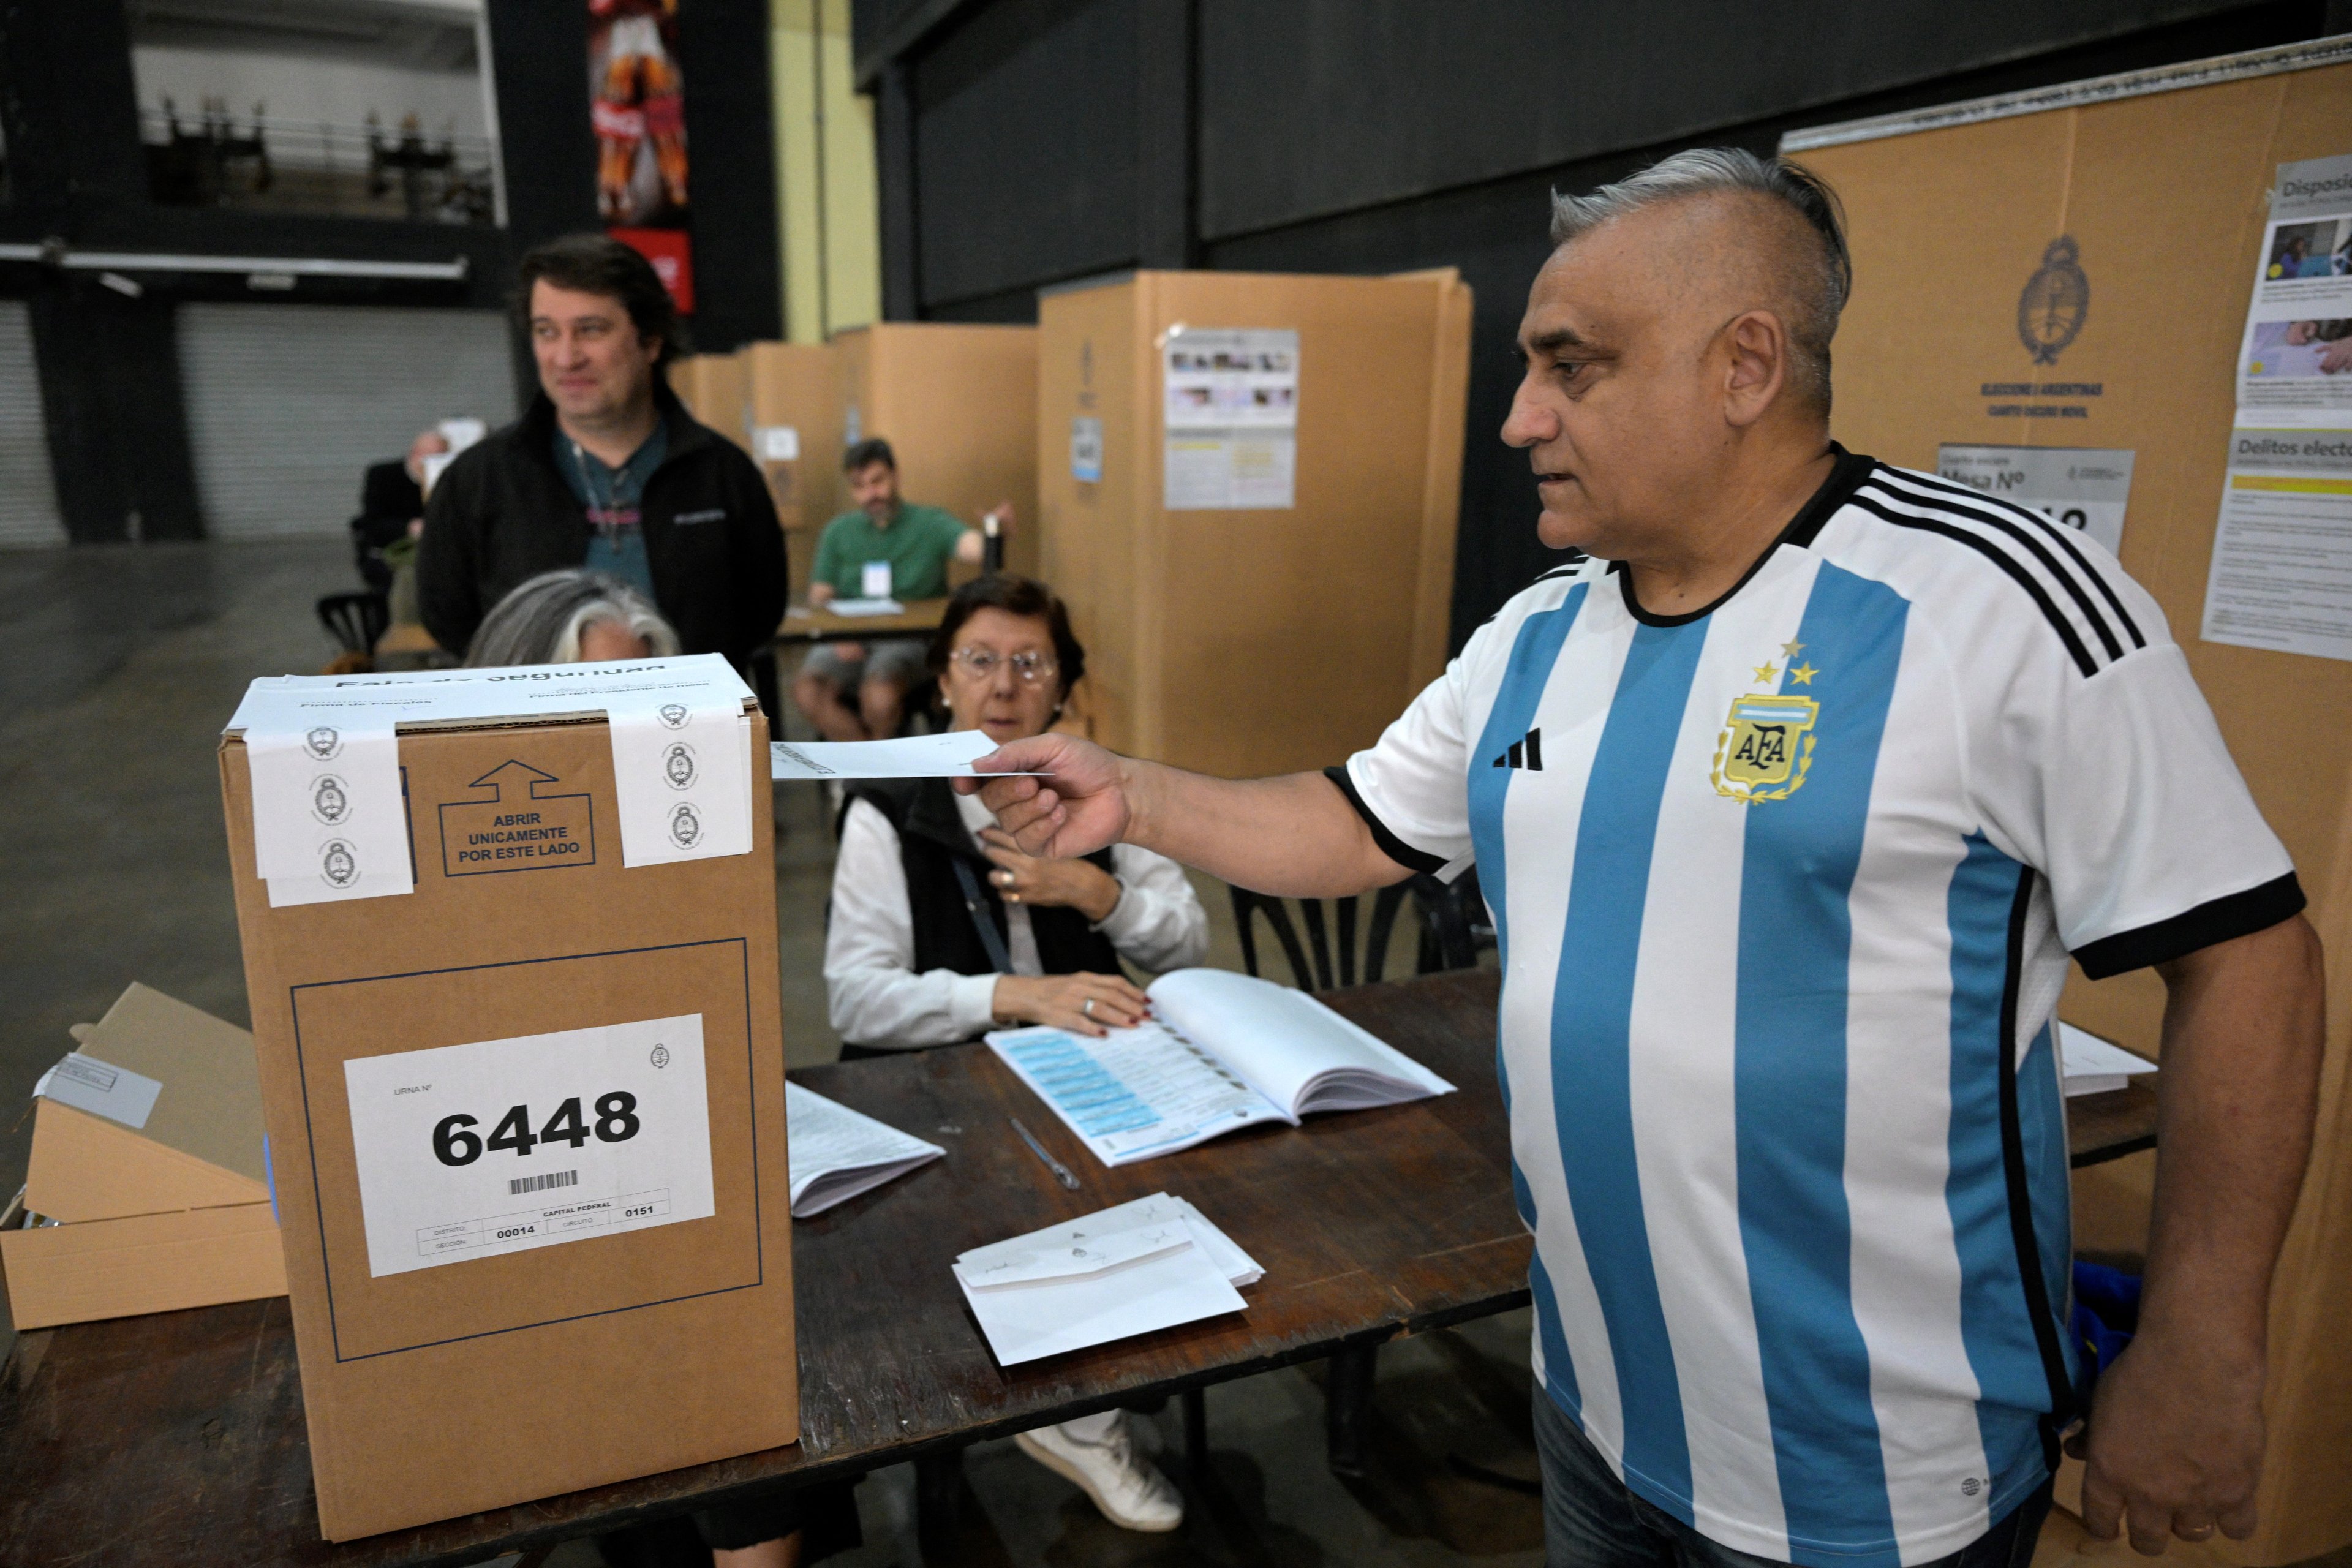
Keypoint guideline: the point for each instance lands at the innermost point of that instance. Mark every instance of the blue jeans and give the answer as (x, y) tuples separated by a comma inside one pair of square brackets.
[(1592, 1519)]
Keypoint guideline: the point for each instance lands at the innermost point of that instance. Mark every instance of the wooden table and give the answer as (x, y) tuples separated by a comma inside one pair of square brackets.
[(179, 1437), (919, 618)]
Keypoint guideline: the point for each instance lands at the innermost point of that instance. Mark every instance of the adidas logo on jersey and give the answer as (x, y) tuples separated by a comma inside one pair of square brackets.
[(1525, 753)]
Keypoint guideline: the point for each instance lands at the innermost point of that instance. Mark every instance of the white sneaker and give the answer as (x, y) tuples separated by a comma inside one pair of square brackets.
[(1127, 1487)]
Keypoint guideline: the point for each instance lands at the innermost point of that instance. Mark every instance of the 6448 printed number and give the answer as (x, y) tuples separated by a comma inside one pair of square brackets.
[(454, 1143)]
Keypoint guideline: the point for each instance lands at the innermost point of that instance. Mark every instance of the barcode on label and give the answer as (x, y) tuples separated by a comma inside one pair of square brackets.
[(521, 1185)]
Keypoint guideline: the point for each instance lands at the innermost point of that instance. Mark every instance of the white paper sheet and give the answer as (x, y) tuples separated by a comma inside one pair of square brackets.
[(2081, 487), (1230, 417), (875, 606), (2281, 575), (2294, 367), (837, 1152), (616, 1118), (949, 755), (1128, 1270), (330, 821), (101, 1088), (2093, 1066), (682, 775)]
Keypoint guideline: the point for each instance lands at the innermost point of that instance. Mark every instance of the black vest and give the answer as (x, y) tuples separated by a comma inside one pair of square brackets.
[(931, 838)]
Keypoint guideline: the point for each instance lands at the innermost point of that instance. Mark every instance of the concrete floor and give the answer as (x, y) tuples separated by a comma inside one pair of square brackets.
[(118, 668)]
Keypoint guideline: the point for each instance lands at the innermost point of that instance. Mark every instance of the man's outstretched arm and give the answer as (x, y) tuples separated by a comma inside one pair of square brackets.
[(2175, 1443), (1295, 835)]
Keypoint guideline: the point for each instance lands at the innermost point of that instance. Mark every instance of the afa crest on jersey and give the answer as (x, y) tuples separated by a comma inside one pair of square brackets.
[(1766, 748)]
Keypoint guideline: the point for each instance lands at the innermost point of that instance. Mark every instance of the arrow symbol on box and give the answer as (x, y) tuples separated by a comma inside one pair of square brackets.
[(511, 772)]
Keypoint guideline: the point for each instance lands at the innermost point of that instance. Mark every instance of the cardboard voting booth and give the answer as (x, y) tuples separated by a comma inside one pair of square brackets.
[(147, 1167), (959, 407), (714, 388), (793, 411), (2053, 291), (1248, 489), (511, 941)]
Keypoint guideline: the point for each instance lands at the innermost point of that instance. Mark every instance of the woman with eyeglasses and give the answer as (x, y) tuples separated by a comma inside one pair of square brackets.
[(942, 930)]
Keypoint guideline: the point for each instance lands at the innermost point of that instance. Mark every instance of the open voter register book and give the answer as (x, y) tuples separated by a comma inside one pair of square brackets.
[(1225, 1051)]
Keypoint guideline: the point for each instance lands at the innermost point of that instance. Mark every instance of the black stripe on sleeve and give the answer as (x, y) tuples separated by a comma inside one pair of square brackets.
[(2001, 558), (1395, 848), (2056, 530), (2218, 920), (2097, 622)]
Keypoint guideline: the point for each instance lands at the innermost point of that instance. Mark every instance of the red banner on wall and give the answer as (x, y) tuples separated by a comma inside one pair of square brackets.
[(637, 106), (672, 253)]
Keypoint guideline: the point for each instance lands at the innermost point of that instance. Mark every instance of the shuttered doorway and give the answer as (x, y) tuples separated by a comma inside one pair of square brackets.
[(28, 492), (288, 405)]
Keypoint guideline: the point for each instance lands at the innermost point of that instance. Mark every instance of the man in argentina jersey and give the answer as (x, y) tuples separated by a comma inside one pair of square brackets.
[(1792, 802)]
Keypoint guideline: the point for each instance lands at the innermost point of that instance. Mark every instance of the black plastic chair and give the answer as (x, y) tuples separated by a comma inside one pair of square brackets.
[(1450, 938), (356, 621), (1451, 932)]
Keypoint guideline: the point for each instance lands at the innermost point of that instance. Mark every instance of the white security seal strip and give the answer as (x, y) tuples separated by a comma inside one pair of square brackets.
[(327, 819), (471, 1150), (683, 772), (99, 1088), (330, 821)]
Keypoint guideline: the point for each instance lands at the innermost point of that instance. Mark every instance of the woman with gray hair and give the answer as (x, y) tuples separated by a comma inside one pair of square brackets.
[(570, 616)]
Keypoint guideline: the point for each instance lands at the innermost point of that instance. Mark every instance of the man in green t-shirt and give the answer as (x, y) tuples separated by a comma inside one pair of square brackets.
[(885, 549)]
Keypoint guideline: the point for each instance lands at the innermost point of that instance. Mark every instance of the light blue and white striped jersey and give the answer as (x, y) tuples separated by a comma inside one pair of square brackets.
[(1786, 890)]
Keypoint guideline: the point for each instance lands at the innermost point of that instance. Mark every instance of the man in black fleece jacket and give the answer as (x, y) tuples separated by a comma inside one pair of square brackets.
[(605, 469)]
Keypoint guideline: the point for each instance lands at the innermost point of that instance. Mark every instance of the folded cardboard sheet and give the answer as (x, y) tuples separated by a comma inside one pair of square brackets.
[(147, 1159)]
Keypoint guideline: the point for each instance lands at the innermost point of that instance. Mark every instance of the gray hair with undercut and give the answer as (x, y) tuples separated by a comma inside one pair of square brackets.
[(1821, 292)]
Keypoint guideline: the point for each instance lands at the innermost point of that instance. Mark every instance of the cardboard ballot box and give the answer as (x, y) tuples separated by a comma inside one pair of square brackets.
[(147, 1154), (527, 1117)]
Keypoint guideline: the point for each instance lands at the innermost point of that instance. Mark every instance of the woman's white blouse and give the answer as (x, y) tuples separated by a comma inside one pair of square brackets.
[(876, 998)]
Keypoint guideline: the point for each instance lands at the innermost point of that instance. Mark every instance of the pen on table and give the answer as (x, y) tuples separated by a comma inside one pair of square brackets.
[(1061, 1171)]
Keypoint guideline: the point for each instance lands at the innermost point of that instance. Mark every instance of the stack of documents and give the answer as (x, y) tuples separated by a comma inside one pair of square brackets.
[(1226, 1051), (866, 607), (837, 1152), (1150, 1264), (2093, 1066)]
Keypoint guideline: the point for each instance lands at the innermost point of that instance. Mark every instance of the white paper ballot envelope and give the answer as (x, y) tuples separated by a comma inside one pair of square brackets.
[(1151, 1264), (2093, 1066), (909, 757)]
